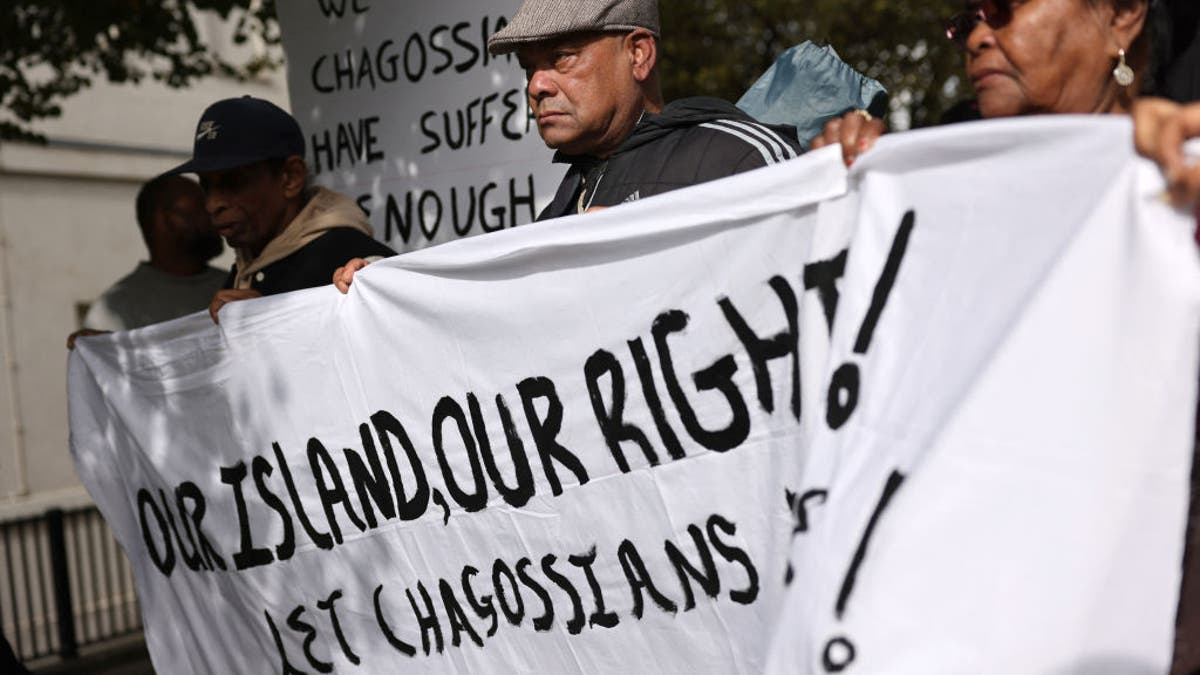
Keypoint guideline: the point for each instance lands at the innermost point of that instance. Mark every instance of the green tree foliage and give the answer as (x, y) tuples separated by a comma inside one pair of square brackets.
[(50, 49), (719, 47)]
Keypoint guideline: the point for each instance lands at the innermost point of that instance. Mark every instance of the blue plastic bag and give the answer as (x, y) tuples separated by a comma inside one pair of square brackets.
[(809, 85)]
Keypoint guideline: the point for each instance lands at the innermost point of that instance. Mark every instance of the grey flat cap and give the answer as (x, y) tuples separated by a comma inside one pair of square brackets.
[(539, 20)]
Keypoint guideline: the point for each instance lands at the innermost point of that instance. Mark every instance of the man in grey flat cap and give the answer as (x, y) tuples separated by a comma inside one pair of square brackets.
[(594, 89), (592, 67)]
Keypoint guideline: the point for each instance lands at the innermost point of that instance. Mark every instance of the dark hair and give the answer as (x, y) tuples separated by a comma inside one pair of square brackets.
[(150, 198), (1155, 45), (1177, 50), (1157, 48)]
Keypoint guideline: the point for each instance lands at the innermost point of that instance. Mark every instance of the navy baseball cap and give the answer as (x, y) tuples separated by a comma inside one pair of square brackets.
[(239, 131)]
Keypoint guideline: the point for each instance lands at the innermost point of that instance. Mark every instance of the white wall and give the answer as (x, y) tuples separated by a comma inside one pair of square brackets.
[(67, 231)]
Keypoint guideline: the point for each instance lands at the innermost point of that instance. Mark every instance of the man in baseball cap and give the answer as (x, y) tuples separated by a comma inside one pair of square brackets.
[(594, 90), (249, 156)]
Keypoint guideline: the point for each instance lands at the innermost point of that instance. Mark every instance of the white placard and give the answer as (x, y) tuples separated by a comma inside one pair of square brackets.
[(403, 108)]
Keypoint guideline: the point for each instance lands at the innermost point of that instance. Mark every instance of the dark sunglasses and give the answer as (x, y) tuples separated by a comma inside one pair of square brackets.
[(994, 13)]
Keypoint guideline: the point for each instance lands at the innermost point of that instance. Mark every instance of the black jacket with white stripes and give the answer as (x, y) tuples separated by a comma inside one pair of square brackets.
[(693, 140)]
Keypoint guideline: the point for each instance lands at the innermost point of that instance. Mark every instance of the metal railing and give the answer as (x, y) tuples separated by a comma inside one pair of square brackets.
[(64, 584)]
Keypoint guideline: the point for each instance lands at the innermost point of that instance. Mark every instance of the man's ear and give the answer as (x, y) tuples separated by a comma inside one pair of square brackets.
[(159, 226), (1128, 22), (295, 176), (642, 48)]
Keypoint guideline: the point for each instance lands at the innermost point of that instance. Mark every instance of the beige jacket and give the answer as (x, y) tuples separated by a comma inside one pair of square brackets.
[(325, 210)]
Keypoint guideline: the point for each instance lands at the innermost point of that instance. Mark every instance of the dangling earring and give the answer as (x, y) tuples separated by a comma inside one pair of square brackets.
[(1123, 74)]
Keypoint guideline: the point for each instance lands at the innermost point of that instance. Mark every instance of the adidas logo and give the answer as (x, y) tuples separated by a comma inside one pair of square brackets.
[(637, 194)]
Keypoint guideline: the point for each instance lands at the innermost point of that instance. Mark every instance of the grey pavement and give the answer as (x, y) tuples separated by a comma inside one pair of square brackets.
[(127, 656)]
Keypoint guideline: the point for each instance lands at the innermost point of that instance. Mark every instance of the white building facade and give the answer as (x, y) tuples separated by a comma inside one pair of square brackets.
[(68, 231)]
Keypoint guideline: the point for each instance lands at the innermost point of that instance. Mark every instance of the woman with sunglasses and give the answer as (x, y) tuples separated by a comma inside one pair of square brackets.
[(1029, 57)]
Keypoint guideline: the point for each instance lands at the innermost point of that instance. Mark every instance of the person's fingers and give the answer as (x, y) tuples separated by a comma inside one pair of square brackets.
[(855, 131), (228, 295), (1185, 186), (1168, 149), (215, 306), (829, 135), (869, 133), (1175, 130), (1148, 117), (83, 332), (852, 124), (342, 278), (344, 275), (1160, 129)]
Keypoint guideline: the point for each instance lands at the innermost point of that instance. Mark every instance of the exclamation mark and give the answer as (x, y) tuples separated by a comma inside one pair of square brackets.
[(843, 388), (840, 652)]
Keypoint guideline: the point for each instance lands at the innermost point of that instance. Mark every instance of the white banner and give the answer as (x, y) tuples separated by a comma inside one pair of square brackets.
[(404, 109), (627, 442)]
